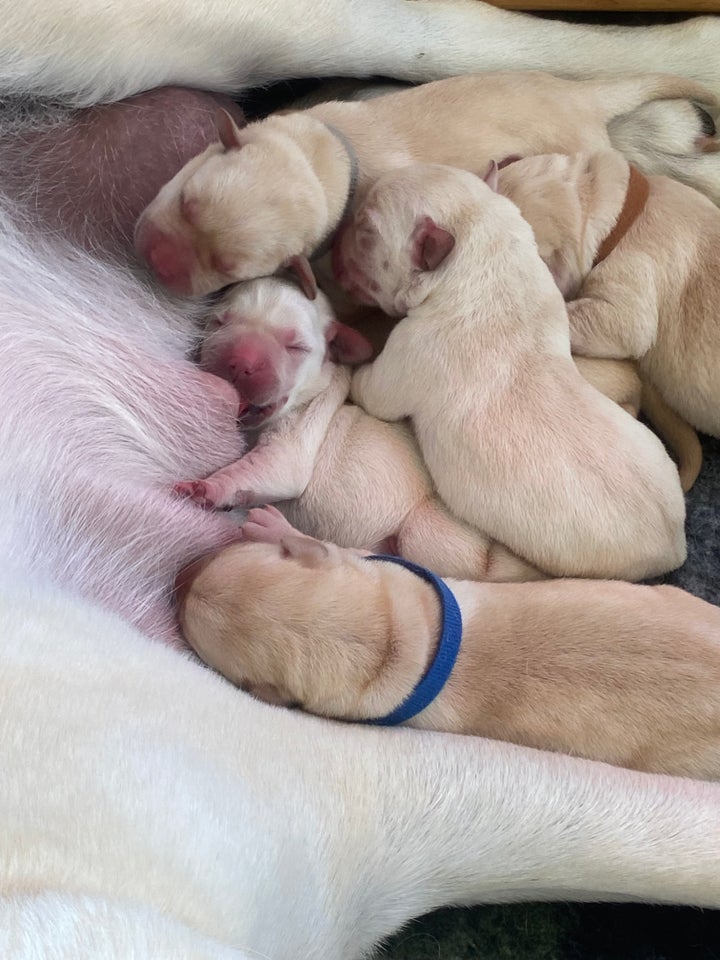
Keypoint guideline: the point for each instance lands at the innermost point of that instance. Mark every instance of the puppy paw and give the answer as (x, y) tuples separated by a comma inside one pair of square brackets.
[(266, 525), (196, 490)]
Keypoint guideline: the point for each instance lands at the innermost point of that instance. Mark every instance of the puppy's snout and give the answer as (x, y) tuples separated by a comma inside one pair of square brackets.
[(170, 258), (247, 361)]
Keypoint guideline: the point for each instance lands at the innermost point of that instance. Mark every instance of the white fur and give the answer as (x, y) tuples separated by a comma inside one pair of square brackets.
[(149, 809), (517, 443), (345, 476), (80, 52)]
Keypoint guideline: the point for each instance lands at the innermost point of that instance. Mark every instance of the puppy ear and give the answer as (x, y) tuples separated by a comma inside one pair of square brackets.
[(228, 130), (432, 244), (269, 693), (347, 345), (491, 173), (300, 266), (311, 553), (506, 161)]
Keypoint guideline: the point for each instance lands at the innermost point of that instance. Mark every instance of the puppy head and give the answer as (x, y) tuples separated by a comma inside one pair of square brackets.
[(571, 203), (293, 623), (241, 209), (275, 346), (401, 242)]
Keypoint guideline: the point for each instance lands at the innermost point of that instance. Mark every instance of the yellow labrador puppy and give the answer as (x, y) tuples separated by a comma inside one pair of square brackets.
[(611, 671), (274, 192), (516, 441), (640, 259)]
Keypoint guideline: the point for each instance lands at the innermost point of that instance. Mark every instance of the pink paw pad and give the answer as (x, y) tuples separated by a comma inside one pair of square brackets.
[(195, 490)]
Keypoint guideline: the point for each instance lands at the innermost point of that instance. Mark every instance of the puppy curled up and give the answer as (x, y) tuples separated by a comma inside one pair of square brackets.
[(336, 472), (611, 671), (639, 259), (516, 441), (274, 192)]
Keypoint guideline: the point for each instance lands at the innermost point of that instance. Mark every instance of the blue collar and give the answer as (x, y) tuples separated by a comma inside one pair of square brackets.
[(436, 676)]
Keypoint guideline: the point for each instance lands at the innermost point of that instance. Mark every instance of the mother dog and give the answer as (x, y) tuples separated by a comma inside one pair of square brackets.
[(148, 808)]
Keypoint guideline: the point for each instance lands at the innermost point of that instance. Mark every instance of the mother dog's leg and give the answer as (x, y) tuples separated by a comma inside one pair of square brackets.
[(170, 796), (85, 51)]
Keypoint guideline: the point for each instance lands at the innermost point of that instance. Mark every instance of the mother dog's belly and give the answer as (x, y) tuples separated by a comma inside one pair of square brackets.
[(89, 173)]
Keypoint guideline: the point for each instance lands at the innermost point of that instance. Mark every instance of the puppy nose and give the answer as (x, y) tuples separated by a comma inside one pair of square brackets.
[(247, 361), (170, 259)]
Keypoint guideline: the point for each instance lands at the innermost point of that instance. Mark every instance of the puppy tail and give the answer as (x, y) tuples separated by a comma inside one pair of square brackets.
[(618, 97), (676, 433)]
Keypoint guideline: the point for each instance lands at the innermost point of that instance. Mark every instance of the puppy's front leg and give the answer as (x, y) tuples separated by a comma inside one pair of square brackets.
[(614, 321), (382, 387), (277, 469), (282, 463)]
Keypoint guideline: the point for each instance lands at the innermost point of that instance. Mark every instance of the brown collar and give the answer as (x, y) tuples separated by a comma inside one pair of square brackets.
[(636, 196)]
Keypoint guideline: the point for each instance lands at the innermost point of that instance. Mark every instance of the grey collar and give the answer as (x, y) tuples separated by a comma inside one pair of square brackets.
[(327, 240)]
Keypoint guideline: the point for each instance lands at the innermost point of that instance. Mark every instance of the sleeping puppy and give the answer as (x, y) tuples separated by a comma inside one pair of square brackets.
[(626, 674), (516, 442), (273, 193), (344, 475), (640, 259)]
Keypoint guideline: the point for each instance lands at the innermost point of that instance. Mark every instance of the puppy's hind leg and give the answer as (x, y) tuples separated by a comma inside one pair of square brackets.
[(432, 537)]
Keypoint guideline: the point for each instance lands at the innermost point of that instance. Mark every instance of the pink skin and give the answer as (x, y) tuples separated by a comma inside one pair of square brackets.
[(267, 525), (260, 350), (262, 366), (91, 176)]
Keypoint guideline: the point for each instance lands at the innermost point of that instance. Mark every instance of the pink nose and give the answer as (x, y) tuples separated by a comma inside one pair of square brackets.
[(171, 259), (247, 360)]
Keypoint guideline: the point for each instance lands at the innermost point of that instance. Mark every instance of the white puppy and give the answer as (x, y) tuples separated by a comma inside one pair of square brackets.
[(640, 259), (338, 473), (273, 193), (517, 443), (345, 475)]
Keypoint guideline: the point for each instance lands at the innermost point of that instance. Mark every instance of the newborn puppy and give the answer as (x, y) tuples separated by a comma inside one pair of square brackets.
[(626, 674), (517, 443), (345, 475), (272, 343), (272, 193), (640, 259)]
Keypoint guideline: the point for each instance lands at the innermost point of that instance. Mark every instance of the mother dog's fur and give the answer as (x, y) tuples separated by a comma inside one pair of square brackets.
[(148, 808)]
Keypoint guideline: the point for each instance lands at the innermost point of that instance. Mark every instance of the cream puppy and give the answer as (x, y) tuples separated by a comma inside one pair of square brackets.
[(517, 443), (610, 671), (343, 474), (338, 473), (272, 193), (640, 259)]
